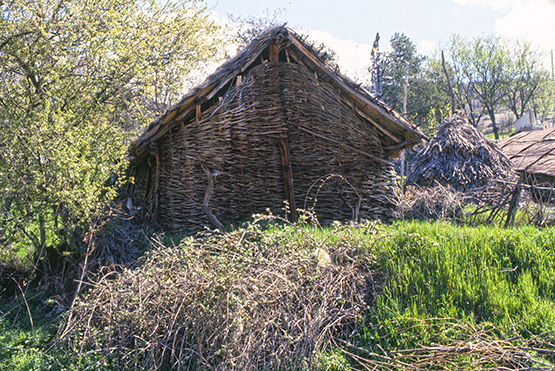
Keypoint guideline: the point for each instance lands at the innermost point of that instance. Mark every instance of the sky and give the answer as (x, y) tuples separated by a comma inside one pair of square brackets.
[(349, 26)]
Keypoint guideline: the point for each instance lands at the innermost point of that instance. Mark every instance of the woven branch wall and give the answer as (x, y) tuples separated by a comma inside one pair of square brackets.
[(239, 138)]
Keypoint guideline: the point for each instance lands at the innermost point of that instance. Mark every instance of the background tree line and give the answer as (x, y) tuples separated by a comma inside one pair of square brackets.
[(487, 74)]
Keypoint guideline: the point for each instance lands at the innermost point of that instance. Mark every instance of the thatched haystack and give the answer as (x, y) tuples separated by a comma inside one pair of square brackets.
[(260, 132), (461, 157)]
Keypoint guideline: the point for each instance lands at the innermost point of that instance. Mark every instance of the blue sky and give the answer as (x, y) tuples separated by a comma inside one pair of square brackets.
[(349, 26)]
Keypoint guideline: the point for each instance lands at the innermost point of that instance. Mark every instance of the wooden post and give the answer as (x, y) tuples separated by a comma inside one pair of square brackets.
[(276, 45), (198, 112), (207, 195), (274, 52), (513, 205), (156, 186), (288, 178), (451, 93)]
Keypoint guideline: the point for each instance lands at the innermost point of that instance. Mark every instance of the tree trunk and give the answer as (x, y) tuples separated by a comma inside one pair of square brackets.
[(41, 253), (451, 94), (493, 123)]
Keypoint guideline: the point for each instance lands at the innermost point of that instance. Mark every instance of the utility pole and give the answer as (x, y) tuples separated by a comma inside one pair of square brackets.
[(376, 68), (405, 90), (552, 72)]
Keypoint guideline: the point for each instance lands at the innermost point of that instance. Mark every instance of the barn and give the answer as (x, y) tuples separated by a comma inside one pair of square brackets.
[(275, 128)]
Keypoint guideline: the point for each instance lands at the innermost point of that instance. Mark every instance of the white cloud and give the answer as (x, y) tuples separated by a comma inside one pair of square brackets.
[(493, 4), (532, 20), (426, 47), (352, 58)]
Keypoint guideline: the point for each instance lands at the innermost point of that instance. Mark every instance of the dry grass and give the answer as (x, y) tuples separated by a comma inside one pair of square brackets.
[(431, 203), (244, 300), (488, 204), (471, 348)]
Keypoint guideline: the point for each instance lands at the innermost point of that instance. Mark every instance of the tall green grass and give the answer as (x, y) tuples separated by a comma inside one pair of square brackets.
[(477, 275)]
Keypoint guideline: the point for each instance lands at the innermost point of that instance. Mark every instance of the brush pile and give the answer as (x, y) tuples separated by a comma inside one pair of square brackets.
[(461, 157), (472, 348), (432, 203), (244, 300)]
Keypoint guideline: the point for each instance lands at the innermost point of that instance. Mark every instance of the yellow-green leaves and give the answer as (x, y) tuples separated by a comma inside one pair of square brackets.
[(78, 79)]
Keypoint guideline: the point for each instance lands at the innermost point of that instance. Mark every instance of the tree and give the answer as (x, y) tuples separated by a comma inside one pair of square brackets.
[(481, 74), (77, 77), (402, 61), (426, 96), (463, 85), (527, 77), (543, 102), (249, 27)]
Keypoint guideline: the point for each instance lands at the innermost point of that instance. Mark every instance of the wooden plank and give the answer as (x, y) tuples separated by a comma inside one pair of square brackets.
[(288, 178), (198, 112), (402, 145), (378, 126), (545, 165)]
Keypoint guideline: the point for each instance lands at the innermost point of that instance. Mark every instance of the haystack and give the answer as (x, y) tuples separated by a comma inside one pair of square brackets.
[(268, 128), (461, 157)]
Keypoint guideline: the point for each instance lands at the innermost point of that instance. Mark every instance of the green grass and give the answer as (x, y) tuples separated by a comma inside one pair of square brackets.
[(505, 134), (477, 275), (32, 346), (442, 282)]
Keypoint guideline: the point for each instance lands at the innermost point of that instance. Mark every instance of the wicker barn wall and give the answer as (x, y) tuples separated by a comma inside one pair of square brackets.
[(314, 106), (238, 137)]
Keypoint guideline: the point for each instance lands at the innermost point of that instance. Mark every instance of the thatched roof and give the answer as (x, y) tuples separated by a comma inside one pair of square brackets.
[(394, 131), (460, 156), (532, 151)]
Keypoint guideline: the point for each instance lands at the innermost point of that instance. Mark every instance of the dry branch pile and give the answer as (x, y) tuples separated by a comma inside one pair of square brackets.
[(431, 203), (245, 300), (460, 156), (471, 349)]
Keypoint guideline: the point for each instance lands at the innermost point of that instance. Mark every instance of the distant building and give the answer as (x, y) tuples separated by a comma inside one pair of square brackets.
[(527, 122)]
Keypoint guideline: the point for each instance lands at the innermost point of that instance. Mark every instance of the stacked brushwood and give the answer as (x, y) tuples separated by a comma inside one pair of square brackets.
[(245, 300), (461, 157)]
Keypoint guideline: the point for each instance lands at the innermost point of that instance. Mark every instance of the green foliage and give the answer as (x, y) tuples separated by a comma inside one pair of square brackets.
[(26, 345), (331, 360), (528, 78), (427, 99), (478, 275), (78, 80)]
